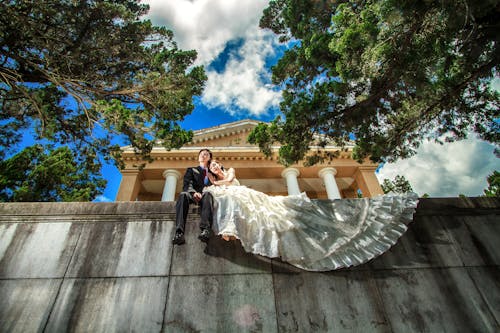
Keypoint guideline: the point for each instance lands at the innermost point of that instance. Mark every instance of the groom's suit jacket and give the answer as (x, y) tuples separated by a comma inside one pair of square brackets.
[(193, 180)]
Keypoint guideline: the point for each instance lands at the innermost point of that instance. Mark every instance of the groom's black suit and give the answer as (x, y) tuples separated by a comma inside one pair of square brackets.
[(194, 182)]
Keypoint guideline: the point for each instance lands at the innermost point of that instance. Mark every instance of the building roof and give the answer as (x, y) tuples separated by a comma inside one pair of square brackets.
[(222, 136)]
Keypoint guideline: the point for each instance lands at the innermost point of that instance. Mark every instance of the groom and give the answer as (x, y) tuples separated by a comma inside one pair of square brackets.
[(195, 179)]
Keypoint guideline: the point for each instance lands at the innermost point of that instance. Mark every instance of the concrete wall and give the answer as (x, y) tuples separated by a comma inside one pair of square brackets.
[(111, 267)]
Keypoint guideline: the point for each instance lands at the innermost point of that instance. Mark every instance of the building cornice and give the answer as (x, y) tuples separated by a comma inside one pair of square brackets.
[(202, 139), (222, 153)]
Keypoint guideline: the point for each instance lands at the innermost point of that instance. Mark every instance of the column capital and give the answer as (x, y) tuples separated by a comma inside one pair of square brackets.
[(290, 171), (290, 174), (325, 171), (328, 176), (171, 178), (171, 172)]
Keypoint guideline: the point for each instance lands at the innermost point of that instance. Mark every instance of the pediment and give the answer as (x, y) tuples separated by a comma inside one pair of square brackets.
[(228, 137), (233, 134)]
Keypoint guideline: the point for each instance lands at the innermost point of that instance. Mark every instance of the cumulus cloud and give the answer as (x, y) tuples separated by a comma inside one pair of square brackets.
[(207, 25), (446, 170), (102, 198), (244, 83), (242, 87)]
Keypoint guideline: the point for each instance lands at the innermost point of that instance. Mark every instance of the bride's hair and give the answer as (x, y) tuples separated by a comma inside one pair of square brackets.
[(219, 163)]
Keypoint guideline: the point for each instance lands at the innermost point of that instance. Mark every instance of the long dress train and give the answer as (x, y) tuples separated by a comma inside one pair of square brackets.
[(315, 235)]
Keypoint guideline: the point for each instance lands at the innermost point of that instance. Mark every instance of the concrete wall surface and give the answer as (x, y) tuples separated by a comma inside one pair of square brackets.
[(111, 267)]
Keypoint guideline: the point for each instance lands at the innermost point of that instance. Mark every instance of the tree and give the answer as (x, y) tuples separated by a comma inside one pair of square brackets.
[(493, 189), (89, 74), (390, 73), (399, 185), (57, 175)]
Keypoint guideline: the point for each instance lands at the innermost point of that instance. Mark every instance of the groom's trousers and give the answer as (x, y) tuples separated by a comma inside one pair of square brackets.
[(182, 207)]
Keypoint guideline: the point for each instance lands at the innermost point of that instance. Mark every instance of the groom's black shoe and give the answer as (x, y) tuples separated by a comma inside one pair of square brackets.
[(204, 235), (179, 238)]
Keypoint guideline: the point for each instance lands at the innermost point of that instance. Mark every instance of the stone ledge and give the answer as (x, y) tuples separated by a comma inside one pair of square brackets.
[(87, 218), (443, 205), (458, 206), (87, 208)]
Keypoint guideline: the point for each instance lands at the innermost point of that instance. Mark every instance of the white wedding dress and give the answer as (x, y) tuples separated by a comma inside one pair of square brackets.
[(315, 235)]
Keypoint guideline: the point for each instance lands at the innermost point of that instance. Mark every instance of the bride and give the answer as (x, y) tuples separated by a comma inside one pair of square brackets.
[(315, 235)]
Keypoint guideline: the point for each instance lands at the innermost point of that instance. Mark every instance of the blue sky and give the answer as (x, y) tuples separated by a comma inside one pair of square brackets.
[(237, 56)]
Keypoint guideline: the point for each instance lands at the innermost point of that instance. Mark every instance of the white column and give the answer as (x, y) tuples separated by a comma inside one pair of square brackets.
[(171, 177), (328, 176), (290, 174)]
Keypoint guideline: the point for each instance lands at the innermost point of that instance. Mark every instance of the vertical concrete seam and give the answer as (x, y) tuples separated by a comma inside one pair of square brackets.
[(483, 299), (275, 298), (479, 292), (62, 280), (380, 300), (168, 287)]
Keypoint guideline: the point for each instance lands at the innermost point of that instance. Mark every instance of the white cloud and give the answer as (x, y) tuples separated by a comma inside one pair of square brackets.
[(102, 198), (446, 170), (207, 26), (243, 85)]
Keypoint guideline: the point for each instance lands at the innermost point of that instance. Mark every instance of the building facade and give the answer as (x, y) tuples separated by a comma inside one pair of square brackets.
[(161, 180)]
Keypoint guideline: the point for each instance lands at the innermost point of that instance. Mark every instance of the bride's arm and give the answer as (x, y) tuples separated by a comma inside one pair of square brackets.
[(231, 174)]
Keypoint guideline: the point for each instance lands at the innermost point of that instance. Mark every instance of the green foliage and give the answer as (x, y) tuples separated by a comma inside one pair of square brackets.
[(391, 73), (399, 185), (37, 175), (493, 189), (88, 74)]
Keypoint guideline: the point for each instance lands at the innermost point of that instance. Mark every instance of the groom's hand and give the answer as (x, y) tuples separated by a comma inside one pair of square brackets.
[(197, 196)]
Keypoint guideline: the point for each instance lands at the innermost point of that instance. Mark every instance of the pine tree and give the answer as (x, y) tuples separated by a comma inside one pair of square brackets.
[(493, 189), (88, 75), (390, 73), (399, 185)]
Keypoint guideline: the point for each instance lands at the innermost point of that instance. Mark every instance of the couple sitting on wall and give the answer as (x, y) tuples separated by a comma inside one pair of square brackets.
[(315, 235)]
